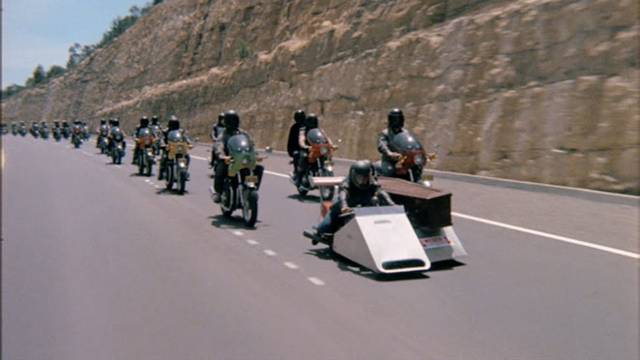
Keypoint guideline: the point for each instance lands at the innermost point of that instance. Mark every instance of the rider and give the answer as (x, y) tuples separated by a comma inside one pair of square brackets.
[(174, 124), (144, 123), (310, 123), (395, 125), (293, 147), (358, 189), (103, 131), (114, 129), (216, 131), (231, 128)]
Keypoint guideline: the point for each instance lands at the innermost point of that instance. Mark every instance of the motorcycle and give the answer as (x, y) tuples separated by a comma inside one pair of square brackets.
[(14, 129), (57, 134), (86, 134), (22, 130), (35, 130), (66, 132), (117, 146), (145, 155), (319, 163), (240, 189), (412, 159), (176, 163), (44, 133), (76, 137), (102, 144), (157, 134)]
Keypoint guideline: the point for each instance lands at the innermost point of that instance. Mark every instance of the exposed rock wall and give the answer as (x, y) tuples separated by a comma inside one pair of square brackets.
[(540, 90)]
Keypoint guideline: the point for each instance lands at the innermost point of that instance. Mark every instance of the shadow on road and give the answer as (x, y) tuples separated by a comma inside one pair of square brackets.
[(345, 264), (305, 199), (234, 222), (165, 191)]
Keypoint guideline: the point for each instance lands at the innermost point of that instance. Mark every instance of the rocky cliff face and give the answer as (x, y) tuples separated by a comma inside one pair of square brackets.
[(539, 90)]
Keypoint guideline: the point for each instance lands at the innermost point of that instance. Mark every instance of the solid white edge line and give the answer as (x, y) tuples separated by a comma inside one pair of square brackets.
[(562, 187), (550, 236), (530, 231)]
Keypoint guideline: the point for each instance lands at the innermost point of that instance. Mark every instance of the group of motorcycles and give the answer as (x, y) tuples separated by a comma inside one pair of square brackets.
[(78, 131)]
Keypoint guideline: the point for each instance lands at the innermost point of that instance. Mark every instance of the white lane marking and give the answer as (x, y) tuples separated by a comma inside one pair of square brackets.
[(119, 166), (199, 158), (158, 186), (237, 233), (316, 281), (147, 180), (86, 153), (291, 265), (270, 252), (532, 232), (252, 242), (276, 174), (550, 236)]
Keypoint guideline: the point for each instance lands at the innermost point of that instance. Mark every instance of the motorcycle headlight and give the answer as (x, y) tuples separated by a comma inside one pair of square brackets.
[(245, 161), (419, 160)]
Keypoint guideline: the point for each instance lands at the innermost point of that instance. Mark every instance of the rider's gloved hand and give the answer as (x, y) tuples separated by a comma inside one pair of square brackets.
[(395, 156)]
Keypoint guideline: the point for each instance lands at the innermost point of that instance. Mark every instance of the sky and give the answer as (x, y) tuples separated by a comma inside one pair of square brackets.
[(41, 31)]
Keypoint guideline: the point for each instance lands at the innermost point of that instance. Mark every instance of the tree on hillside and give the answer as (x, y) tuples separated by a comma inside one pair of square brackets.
[(54, 71), (74, 55), (38, 76), (11, 90)]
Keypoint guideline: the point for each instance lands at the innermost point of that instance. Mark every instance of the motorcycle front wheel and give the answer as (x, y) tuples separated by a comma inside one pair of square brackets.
[(250, 208), (170, 176), (183, 183)]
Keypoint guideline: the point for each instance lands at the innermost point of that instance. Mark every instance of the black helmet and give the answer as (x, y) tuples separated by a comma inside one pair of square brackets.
[(360, 173), (231, 120), (174, 123), (103, 122), (144, 121), (115, 122), (311, 122), (221, 119), (299, 116), (154, 120), (395, 119)]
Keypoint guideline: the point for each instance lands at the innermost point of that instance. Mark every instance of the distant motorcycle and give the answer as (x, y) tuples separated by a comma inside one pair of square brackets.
[(66, 132), (57, 134), (319, 163), (76, 137), (176, 163), (14, 129), (44, 132), (35, 130), (117, 145), (243, 179), (157, 134), (22, 130), (102, 144), (145, 155)]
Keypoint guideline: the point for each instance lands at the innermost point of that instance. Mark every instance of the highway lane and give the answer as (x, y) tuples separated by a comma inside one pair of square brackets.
[(98, 264)]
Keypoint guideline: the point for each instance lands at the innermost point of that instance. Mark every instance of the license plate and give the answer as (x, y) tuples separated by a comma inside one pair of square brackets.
[(251, 179), (435, 242)]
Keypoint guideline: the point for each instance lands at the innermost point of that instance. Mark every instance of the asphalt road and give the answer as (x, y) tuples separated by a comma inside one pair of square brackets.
[(98, 263)]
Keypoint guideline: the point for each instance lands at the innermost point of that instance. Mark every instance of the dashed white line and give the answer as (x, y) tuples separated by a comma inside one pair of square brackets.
[(237, 233), (276, 174), (270, 252), (158, 186), (199, 158), (291, 265), (252, 242), (316, 281), (147, 180)]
